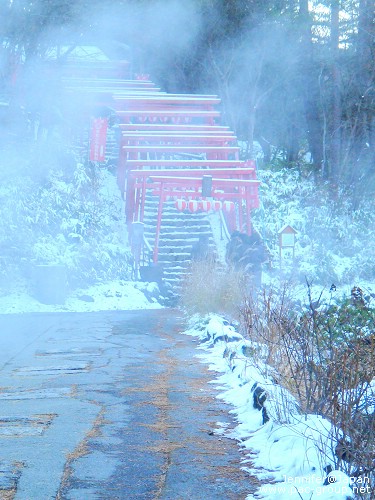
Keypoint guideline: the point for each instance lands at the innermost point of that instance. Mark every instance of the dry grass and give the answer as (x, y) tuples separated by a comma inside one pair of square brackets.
[(208, 288), (83, 447), (8, 494)]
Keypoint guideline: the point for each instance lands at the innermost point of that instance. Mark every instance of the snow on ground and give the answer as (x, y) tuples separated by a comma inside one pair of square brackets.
[(289, 452), (115, 295)]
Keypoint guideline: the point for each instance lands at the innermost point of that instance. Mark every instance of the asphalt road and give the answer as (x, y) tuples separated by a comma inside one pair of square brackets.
[(111, 406)]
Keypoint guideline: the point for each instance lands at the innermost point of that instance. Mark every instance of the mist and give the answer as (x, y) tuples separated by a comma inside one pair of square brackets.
[(275, 83)]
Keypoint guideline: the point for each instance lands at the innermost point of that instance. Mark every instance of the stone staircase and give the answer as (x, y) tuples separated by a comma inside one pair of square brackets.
[(179, 231)]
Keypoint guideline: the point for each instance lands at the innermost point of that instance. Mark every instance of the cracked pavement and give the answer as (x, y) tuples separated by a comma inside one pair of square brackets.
[(111, 405)]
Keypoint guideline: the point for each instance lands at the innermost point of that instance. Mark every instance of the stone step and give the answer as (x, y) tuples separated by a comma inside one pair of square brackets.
[(170, 218), (168, 252), (174, 239), (176, 283), (175, 278), (176, 267), (170, 273), (171, 232), (177, 216), (177, 220), (172, 209), (176, 253), (178, 233), (154, 205), (177, 257)]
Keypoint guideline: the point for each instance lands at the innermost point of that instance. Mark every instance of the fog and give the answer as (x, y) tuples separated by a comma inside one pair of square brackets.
[(253, 56), (151, 35), (184, 47), (53, 210)]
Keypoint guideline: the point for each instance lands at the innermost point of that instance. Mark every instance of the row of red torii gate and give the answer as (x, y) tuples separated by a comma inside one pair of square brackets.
[(171, 146)]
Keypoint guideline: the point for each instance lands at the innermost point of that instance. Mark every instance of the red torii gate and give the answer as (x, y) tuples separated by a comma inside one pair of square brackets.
[(238, 185), (180, 128), (124, 182), (178, 135), (162, 135)]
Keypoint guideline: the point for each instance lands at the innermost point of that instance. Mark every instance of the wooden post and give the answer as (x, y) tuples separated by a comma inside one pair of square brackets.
[(129, 200), (248, 218), (121, 170), (137, 204), (158, 225), (143, 200)]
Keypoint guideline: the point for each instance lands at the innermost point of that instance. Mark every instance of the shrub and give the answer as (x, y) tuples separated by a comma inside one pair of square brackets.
[(76, 221), (207, 287), (335, 237), (325, 356)]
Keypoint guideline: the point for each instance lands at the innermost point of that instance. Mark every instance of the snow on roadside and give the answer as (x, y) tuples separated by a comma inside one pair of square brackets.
[(115, 295), (286, 451)]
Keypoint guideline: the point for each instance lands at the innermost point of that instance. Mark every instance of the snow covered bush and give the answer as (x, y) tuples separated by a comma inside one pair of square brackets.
[(336, 238), (324, 356), (74, 220), (290, 452)]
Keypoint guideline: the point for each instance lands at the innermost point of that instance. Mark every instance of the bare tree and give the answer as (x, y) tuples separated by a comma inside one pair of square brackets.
[(335, 166)]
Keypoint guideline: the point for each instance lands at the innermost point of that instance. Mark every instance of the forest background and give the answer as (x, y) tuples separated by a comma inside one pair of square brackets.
[(297, 76)]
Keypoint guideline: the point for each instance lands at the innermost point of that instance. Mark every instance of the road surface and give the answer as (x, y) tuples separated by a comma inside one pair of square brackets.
[(111, 405)]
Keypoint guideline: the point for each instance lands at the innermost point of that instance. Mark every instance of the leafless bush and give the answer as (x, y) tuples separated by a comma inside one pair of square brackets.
[(325, 357)]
